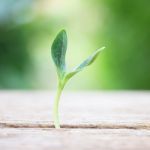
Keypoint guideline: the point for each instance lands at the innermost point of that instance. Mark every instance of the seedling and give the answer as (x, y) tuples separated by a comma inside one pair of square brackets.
[(58, 52)]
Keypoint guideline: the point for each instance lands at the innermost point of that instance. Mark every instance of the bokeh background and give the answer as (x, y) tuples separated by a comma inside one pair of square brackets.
[(28, 27)]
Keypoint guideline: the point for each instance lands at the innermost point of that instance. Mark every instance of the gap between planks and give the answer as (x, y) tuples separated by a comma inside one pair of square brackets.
[(135, 126)]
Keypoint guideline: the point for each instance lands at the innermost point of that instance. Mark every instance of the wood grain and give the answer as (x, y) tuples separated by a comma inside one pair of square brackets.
[(74, 139), (89, 120)]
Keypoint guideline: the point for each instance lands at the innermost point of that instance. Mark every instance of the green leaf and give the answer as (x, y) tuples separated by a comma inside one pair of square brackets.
[(58, 52), (85, 63)]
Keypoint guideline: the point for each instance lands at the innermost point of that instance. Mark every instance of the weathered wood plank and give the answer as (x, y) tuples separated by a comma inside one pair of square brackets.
[(74, 139), (89, 109), (26, 121)]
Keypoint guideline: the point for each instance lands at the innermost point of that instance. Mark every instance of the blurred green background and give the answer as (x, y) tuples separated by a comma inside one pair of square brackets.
[(28, 27)]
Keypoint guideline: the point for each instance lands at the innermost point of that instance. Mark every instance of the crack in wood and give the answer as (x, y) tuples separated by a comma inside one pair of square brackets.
[(135, 126)]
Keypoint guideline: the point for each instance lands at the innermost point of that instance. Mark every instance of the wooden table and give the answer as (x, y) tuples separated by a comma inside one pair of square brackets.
[(90, 121)]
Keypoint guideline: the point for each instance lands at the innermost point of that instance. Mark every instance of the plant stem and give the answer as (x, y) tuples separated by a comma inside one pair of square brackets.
[(56, 106)]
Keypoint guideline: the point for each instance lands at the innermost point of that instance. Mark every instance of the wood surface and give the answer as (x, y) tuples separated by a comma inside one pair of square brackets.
[(89, 121)]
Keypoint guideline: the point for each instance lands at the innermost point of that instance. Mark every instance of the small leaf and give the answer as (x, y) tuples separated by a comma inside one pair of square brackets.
[(85, 63), (58, 51)]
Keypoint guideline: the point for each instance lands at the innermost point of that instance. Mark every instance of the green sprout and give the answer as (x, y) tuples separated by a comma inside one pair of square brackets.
[(58, 52)]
